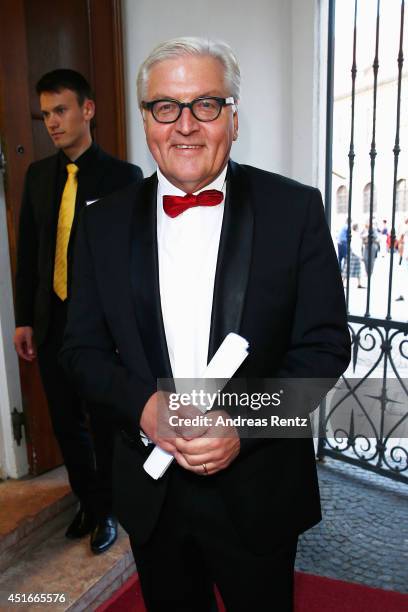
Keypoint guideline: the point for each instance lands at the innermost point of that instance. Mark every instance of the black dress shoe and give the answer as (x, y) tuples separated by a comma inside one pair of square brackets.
[(82, 524), (104, 534)]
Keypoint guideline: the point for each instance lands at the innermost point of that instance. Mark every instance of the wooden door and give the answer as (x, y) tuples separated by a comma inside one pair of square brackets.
[(37, 36)]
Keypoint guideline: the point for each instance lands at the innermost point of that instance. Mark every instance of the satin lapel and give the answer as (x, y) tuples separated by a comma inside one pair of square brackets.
[(45, 191), (145, 280), (234, 259), (100, 167)]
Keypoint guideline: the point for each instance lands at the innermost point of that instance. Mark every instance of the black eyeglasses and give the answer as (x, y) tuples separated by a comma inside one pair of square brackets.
[(203, 109)]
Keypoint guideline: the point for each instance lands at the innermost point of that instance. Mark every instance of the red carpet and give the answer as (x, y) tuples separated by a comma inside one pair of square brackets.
[(312, 594)]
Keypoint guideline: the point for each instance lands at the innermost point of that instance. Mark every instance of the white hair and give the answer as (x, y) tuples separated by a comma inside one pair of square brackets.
[(192, 45)]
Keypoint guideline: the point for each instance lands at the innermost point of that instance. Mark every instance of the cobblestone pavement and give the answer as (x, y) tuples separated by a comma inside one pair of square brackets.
[(364, 533)]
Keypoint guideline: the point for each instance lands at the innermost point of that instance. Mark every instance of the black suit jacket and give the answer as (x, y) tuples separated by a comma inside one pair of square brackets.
[(38, 222), (277, 284)]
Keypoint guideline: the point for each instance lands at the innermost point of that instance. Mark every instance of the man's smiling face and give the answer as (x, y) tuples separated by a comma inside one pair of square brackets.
[(190, 153)]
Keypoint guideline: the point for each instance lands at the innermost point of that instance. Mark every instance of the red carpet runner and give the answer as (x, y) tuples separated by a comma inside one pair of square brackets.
[(312, 594)]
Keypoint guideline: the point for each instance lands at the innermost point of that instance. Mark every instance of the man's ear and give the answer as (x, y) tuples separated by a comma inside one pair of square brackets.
[(88, 109), (236, 123)]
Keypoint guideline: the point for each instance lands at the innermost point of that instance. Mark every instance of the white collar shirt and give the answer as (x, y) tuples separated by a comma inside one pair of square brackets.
[(187, 253)]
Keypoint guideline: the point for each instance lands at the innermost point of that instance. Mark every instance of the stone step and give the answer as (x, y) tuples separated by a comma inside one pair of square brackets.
[(30, 510), (70, 569), (36, 558)]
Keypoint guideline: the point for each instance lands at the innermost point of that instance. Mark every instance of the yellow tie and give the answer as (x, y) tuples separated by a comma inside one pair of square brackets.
[(65, 219)]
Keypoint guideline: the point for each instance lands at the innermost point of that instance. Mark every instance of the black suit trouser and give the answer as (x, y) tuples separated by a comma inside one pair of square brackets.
[(195, 546), (87, 451)]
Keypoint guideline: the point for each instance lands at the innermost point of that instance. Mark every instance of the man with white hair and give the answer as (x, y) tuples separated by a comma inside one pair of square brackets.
[(163, 273)]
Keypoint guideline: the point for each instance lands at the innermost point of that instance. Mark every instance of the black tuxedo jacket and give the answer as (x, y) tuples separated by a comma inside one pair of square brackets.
[(38, 223), (277, 284)]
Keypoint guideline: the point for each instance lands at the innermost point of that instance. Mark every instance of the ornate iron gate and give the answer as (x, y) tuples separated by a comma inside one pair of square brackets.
[(380, 343)]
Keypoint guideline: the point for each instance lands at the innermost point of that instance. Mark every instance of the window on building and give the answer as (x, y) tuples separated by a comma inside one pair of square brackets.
[(366, 199), (402, 196), (342, 200)]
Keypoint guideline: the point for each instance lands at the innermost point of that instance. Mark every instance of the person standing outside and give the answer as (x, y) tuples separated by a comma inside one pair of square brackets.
[(342, 244), (370, 240), (56, 189), (403, 244), (383, 238), (356, 248)]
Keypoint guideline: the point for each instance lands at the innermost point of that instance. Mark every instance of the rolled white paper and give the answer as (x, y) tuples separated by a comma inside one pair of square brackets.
[(230, 355), (226, 361), (157, 462)]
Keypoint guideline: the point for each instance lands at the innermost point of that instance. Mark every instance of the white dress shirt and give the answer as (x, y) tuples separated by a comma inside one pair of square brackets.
[(187, 251)]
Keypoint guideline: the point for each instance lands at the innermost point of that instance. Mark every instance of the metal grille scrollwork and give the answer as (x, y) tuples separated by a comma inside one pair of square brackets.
[(377, 380)]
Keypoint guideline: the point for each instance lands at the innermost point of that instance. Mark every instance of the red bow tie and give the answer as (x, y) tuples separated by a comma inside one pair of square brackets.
[(175, 205)]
